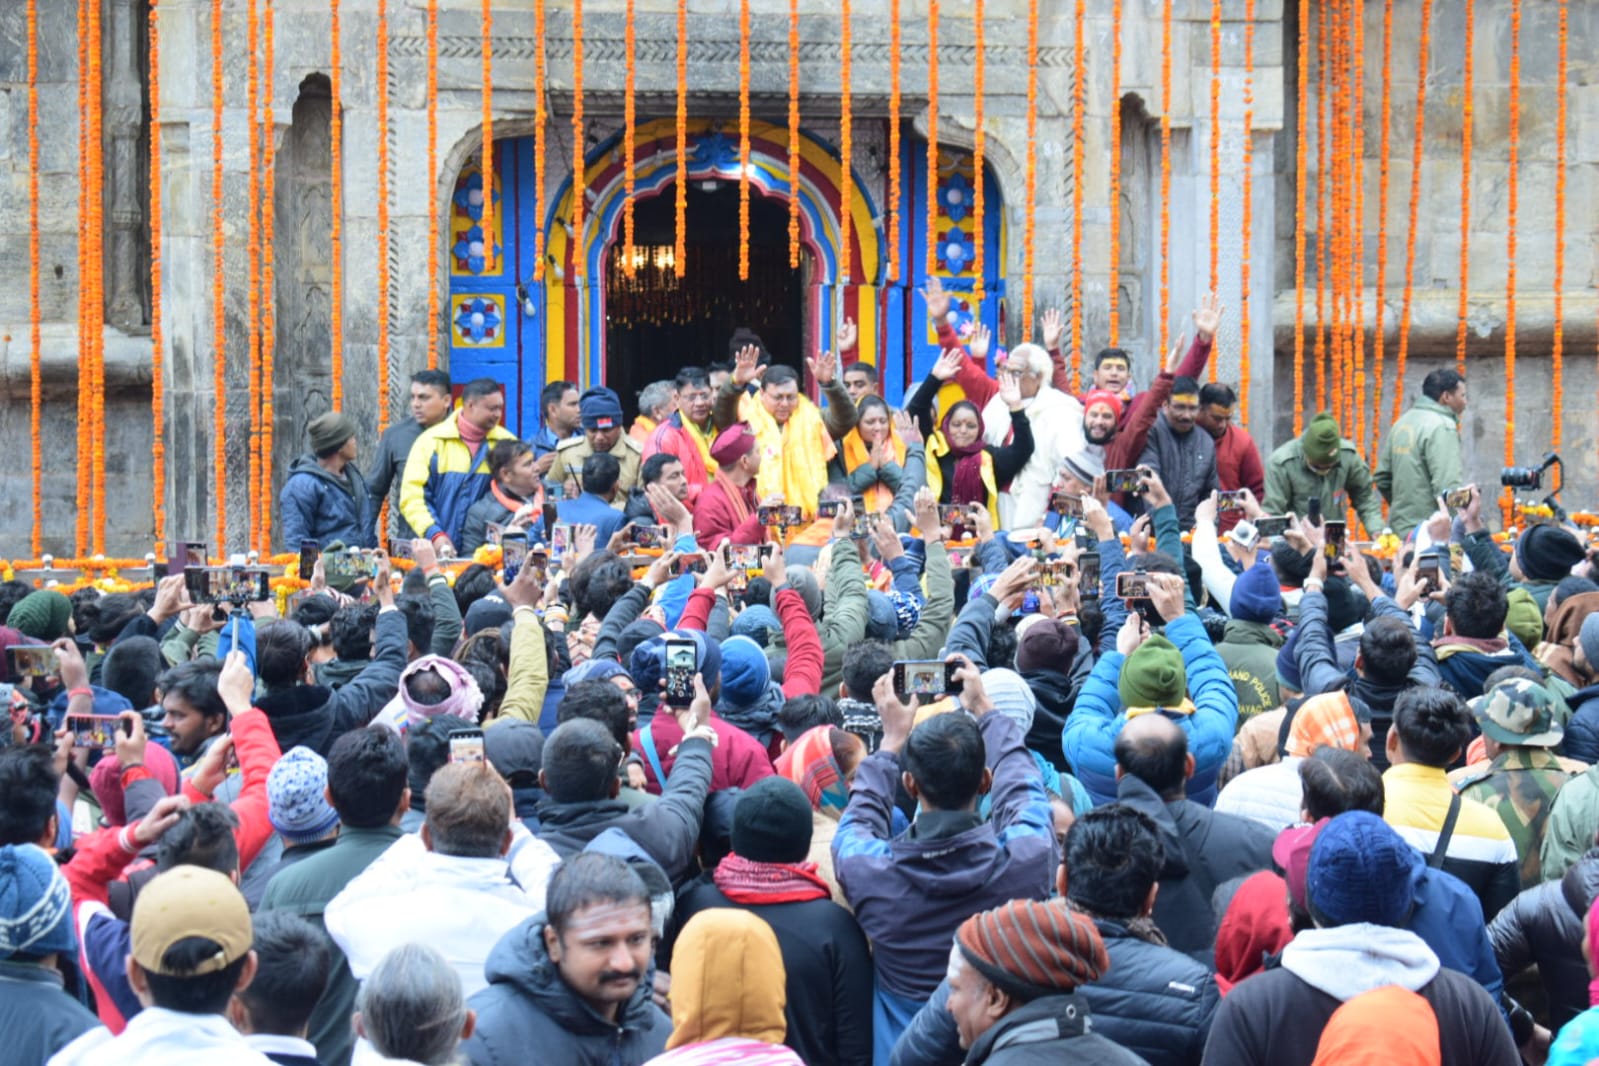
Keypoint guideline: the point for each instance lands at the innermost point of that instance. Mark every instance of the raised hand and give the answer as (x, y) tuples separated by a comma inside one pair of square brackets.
[(1054, 328), (898, 717), (905, 427), (937, 301), (1010, 390), (744, 365), (1166, 593), (948, 364), (981, 339), (848, 335), (823, 368), (1207, 317), (776, 568)]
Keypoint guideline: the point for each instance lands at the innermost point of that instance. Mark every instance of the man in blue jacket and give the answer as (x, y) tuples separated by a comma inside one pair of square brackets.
[(1178, 675), (911, 892), (325, 498), (595, 507)]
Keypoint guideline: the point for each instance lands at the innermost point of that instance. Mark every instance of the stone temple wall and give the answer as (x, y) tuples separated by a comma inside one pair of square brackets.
[(300, 101)]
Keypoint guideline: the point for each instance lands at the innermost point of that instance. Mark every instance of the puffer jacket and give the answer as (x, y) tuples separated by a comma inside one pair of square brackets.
[(1582, 731), (1464, 667), (1089, 737), (1153, 1001), (528, 1006), (1543, 927), (315, 505)]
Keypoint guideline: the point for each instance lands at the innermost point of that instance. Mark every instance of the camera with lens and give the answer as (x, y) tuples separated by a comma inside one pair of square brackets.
[(1528, 477)]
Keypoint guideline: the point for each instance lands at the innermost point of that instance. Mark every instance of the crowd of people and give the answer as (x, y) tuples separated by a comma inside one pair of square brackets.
[(1036, 721)]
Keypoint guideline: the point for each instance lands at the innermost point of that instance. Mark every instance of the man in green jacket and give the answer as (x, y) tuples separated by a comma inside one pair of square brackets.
[(1324, 464), (1420, 458)]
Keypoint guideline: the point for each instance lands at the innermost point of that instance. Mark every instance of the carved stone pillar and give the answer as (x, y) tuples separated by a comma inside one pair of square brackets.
[(126, 186)]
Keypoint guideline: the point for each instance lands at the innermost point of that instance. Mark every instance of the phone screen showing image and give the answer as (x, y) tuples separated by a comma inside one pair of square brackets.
[(309, 550), (680, 656), (467, 746)]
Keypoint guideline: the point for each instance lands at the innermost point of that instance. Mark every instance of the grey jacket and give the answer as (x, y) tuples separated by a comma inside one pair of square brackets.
[(1186, 464)]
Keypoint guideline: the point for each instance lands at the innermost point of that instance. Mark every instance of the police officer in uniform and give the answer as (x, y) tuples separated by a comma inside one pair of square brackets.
[(601, 413)]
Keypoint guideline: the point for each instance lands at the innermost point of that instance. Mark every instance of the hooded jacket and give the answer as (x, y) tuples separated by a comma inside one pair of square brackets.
[(528, 1010), (727, 982), (1465, 666), (1543, 927), (1049, 1031), (1276, 1017), (1204, 849), (1582, 731), (315, 505), (315, 716)]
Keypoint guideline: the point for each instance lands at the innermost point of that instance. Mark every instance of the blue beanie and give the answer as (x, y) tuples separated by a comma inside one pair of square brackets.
[(1360, 871), (756, 622), (881, 621), (649, 660), (593, 670), (745, 672), (1256, 595), (915, 550), (35, 904), (907, 613), (1288, 666), (599, 408)]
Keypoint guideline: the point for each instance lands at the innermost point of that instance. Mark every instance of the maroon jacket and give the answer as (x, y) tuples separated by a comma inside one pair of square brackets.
[(716, 518)]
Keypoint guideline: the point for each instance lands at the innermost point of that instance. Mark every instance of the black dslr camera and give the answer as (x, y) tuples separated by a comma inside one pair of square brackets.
[(1531, 477)]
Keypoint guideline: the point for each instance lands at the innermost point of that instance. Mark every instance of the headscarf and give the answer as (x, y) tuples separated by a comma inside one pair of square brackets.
[(1327, 720), (1565, 622), (464, 701), (967, 484), (105, 780), (1255, 925), (1388, 1026), (728, 980), (809, 762)]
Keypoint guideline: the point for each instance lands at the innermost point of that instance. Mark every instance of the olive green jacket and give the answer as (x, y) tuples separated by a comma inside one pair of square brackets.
[(1420, 461), (1290, 483)]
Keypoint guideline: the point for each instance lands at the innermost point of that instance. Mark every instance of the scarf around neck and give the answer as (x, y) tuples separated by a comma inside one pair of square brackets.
[(858, 453), (966, 486), (794, 456), (748, 882), (737, 496)]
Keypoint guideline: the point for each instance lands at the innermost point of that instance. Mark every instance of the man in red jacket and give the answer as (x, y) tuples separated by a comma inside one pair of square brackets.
[(1238, 464), (728, 508)]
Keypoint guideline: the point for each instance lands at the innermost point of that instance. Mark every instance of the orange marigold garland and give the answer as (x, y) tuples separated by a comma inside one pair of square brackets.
[(97, 275), (1466, 120), (630, 132), (1030, 236), (1115, 154), (892, 273), (252, 82), (382, 119), (84, 484), (680, 260), (979, 150), (1079, 148), (1415, 207), (1510, 247), (219, 338), (269, 317), (1215, 165), (743, 137), (846, 143), (794, 135), (35, 382), (1557, 349), (540, 118), (580, 174), (1301, 181), (1323, 194), (1165, 177), (1355, 386), (1336, 245), (1378, 340), (1248, 204), (932, 137), (336, 226), (433, 167)]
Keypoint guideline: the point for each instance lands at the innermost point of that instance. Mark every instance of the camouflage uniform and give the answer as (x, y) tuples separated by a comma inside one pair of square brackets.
[(1521, 782)]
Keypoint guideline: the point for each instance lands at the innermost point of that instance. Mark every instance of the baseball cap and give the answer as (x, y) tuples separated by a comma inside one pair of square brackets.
[(190, 901)]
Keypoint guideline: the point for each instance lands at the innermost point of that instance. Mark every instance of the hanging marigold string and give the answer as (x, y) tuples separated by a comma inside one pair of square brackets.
[(932, 138), (1466, 120), (629, 135), (846, 142), (252, 82), (1115, 154), (979, 151), (1377, 338), (1301, 181), (336, 226), (680, 252), (97, 272), (219, 337), (580, 174), (540, 118), (1029, 223), (894, 37), (743, 137), (1323, 195), (382, 119), (35, 370), (1356, 385), (269, 314), (433, 167), (1337, 10), (794, 135), (1247, 166), (84, 484), (1557, 350), (1415, 207), (1079, 148), (1511, 191), (1165, 177), (1215, 165)]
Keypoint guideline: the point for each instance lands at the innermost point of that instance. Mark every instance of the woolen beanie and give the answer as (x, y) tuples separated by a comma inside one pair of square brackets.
[(1321, 439), (1256, 595), (1044, 644), (881, 621), (1359, 871), (490, 612), (329, 431), (42, 615), (599, 408), (772, 822), (1153, 675), (35, 904), (907, 613), (649, 660), (803, 581), (745, 672), (297, 803), (757, 622), (1033, 949), (1546, 553), (1011, 696), (1346, 604), (1588, 637)]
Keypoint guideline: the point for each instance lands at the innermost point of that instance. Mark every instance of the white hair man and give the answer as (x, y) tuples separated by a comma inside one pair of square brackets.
[(1057, 424)]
